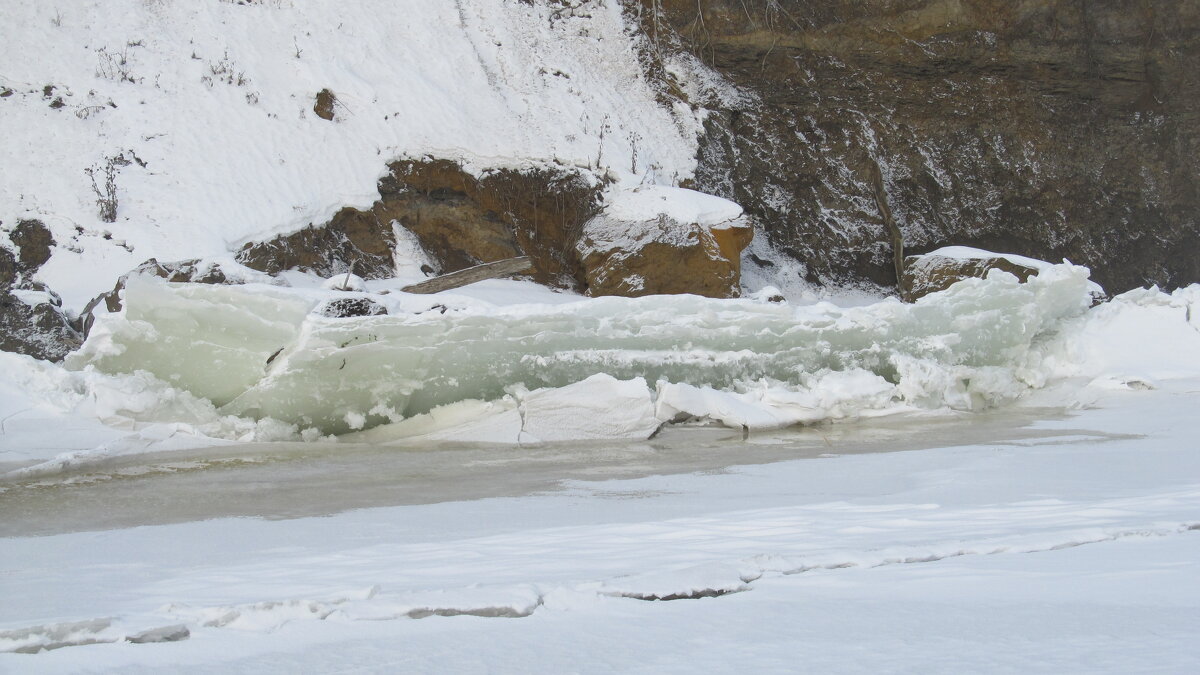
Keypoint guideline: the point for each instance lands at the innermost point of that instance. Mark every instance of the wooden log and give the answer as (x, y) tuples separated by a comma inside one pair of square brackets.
[(471, 275)]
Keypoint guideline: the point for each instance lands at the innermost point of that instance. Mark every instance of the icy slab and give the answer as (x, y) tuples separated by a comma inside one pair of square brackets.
[(259, 352), (1143, 334), (598, 407), (829, 396), (458, 367), (215, 341), (471, 421)]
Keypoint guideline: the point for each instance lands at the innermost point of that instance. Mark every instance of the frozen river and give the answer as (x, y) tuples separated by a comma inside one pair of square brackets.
[(1028, 540), (295, 480)]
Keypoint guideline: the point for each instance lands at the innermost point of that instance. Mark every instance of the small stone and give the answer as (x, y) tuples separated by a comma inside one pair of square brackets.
[(324, 105)]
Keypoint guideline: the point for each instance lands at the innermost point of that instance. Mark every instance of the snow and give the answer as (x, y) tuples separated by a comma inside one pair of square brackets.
[(1072, 548), (204, 114), (598, 407), (646, 202), (970, 253)]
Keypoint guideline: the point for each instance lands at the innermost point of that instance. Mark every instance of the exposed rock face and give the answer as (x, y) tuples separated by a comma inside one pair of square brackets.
[(1050, 128), (39, 330), (460, 220), (662, 256), (930, 273), (352, 237), (31, 317)]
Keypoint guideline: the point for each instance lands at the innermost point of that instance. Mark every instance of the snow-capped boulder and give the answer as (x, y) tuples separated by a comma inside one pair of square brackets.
[(654, 240), (938, 270), (342, 308), (34, 324)]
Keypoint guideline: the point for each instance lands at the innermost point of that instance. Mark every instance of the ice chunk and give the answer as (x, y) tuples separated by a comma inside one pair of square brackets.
[(215, 341), (600, 406), (261, 353), (470, 421), (828, 395)]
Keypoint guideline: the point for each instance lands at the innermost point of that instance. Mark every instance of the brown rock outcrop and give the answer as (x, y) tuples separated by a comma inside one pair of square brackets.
[(662, 256), (460, 221), (1051, 128)]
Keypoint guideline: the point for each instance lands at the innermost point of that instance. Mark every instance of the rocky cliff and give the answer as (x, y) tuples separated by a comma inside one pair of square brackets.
[(1048, 128)]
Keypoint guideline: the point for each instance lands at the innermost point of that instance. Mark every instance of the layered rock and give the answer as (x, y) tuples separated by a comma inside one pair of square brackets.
[(1052, 128), (459, 219)]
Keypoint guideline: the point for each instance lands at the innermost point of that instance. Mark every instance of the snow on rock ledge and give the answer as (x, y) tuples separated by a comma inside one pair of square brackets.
[(656, 240)]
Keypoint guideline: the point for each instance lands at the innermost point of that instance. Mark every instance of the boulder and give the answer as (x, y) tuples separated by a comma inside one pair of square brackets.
[(33, 239), (35, 325), (31, 318), (350, 307), (937, 271), (657, 240), (324, 105)]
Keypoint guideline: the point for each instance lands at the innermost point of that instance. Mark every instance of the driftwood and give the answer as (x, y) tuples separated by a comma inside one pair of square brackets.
[(471, 275)]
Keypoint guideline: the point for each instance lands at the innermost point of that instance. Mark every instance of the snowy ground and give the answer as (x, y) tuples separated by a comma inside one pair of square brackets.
[(1070, 544), (197, 123)]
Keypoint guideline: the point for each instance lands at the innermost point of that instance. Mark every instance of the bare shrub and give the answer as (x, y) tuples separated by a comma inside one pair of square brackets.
[(115, 66), (225, 71), (104, 184)]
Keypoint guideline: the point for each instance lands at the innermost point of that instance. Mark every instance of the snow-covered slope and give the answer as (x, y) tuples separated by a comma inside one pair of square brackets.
[(202, 113)]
